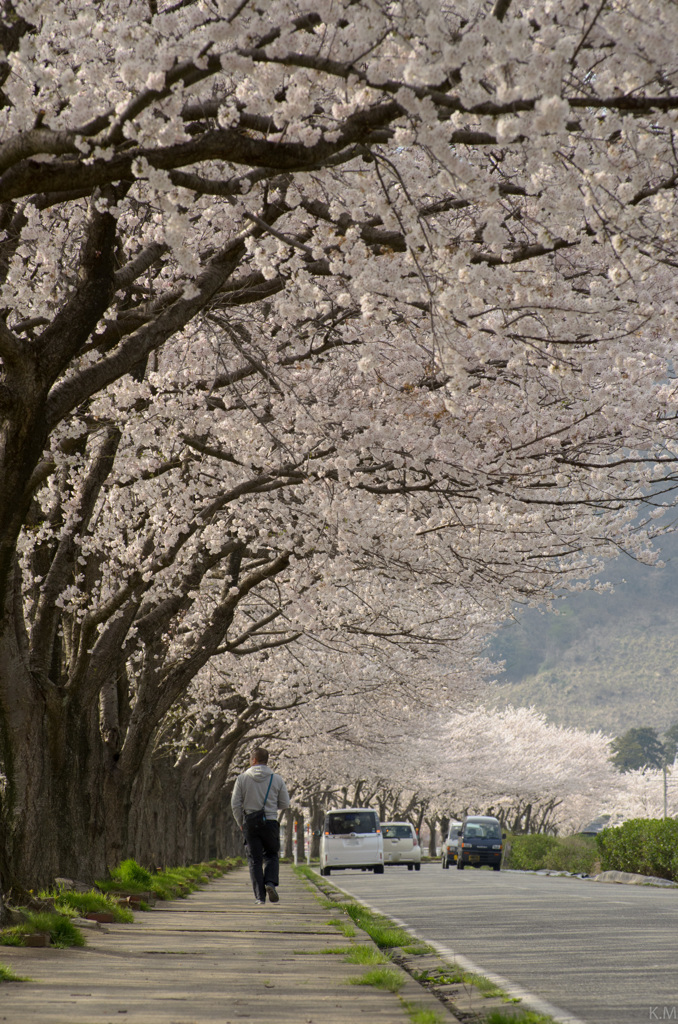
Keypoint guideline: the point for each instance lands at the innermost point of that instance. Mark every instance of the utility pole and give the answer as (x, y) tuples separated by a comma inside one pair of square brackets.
[(666, 772)]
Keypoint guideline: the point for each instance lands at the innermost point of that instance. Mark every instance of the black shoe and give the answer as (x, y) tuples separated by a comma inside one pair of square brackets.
[(272, 893)]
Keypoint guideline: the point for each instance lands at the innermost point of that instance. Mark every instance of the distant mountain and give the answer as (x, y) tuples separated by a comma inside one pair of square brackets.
[(606, 661)]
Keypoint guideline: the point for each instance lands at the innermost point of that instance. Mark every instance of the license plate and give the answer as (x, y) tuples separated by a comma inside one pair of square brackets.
[(474, 857), (351, 842)]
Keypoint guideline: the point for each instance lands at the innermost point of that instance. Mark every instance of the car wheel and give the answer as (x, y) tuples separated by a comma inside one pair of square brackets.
[(497, 867), (379, 869), (324, 871), (417, 867), (409, 867), (460, 865)]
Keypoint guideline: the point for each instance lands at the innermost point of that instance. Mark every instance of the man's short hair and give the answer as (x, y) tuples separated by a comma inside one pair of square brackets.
[(259, 754)]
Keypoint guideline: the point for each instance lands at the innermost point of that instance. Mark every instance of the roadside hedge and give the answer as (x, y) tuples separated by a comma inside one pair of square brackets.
[(644, 846), (576, 854)]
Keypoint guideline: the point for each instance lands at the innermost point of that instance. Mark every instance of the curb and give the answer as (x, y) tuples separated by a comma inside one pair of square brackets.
[(628, 878), (621, 877)]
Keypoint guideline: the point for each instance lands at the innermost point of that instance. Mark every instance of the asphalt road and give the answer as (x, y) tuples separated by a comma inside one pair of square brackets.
[(598, 953)]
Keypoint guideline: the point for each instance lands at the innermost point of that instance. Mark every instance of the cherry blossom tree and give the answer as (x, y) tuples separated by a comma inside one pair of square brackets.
[(533, 775), (327, 324), (640, 794)]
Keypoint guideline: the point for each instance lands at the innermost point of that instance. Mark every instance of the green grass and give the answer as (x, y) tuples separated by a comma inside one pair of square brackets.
[(456, 976), (169, 884), (366, 955), (420, 1016), (383, 932), (488, 988), (7, 974), (128, 876), (81, 903), (131, 873), (61, 930), (527, 1017), (337, 951), (344, 927), (386, 978)]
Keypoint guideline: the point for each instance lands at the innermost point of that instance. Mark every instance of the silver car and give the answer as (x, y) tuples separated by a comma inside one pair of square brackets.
[(401, 844)]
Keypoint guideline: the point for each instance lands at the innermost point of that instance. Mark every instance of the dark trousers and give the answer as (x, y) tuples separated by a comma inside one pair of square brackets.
[(262, 844)]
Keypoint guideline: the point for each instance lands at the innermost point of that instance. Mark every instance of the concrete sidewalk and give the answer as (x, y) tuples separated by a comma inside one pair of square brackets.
[(214, 956)]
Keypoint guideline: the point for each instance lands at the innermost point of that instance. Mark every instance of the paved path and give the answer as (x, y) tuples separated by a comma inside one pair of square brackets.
[(213, 956)]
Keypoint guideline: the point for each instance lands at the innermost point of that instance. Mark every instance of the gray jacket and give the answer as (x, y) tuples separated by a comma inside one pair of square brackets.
[(250, 789)]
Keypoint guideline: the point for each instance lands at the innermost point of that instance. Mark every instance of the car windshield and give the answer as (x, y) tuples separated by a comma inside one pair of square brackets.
[(396, 831), (482, 830), (342, 824)]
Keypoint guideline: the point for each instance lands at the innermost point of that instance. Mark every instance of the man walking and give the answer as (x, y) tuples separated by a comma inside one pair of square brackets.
[(258, 795)]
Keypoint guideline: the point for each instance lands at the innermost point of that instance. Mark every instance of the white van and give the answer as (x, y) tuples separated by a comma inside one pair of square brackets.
[(351, 838), (450, 844), (401, 845)]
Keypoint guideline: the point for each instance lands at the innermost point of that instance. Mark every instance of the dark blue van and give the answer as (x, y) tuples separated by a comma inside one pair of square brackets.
[(481, 841)]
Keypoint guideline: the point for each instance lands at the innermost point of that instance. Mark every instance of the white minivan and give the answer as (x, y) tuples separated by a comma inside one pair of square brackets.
[(351, 838), (401, 845), (450, 844)]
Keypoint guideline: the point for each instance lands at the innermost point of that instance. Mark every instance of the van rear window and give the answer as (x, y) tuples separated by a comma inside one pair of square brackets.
[(397, 831), (341, 824)]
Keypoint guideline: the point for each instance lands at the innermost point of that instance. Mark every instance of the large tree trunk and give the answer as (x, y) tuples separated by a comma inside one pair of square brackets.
[(64, 804)]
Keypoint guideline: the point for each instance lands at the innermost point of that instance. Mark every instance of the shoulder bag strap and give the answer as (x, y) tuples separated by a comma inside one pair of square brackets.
[(268, 791)]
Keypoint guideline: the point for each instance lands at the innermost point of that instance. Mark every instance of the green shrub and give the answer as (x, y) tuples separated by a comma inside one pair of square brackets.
[(644, 846), (530, 853), (576, 854)]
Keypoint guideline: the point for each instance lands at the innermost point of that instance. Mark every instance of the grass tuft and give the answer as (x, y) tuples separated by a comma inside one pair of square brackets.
[(81, 903), (386, 978), (527, 1017), (344, 927), (416, 948), (7, 974), (366, 955), (337, 951), (382, 931), (130, 873), (61, 930), (418, 1015)]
